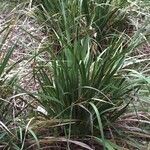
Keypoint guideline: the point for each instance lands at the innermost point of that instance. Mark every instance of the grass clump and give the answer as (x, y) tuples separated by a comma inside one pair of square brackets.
[(91, 86), (86, 80), (71, 20), (91, 92)]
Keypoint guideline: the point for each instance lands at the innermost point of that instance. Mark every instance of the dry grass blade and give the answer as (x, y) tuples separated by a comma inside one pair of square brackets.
[(6, 128), (52, 140)]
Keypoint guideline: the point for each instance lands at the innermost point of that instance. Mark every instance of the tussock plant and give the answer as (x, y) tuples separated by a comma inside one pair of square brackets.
[(88, 80), (92, 89), (91, 92), (72, 19)]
